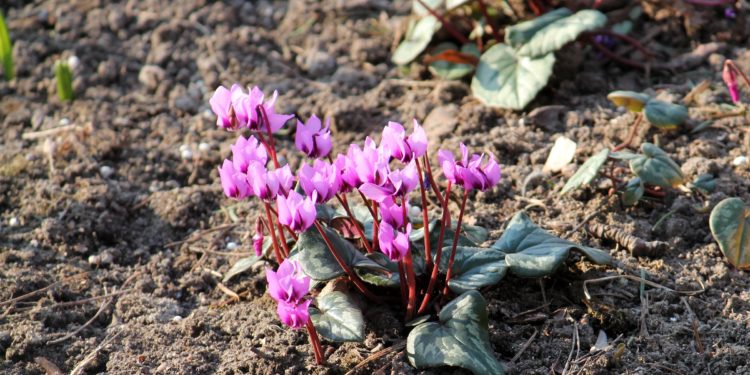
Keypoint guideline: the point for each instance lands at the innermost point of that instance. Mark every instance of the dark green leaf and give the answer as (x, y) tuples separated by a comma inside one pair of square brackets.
[(634, 190), (318, 262), (561, 32), (507, 80), (730, 226), (460, 338), (655, 167), (337, 318), (380, 278), (705, 183), (240, 266), (533, 252), (587, 172), (665, 115), (473, 268), (522, 32)]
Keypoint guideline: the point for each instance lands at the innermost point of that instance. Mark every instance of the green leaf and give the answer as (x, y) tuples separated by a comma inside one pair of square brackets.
[(337, 318), (655, 167), (64, 78), (561, 32), (325, 212), (705, 183), (418, 36), (417, 237), (6, 50), (533, 252), (634, 190), (318, 262), (379, 278), (522, 32), (449, 70), (587, 172), (473, 268), (475, 233), (633, 101), (419, 10), (665, 115), (730, 226), (460, 338), (507, 80), (623, 155), (240, 266)]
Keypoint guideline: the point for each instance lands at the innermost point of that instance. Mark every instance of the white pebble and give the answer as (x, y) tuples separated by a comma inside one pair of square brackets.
[(184, 147), (64, 121), (186, 154), (73, 62), (176, 318), (415, 211), (203, 147), (739, 160), (106, 171), (232, 245), (13, 221)]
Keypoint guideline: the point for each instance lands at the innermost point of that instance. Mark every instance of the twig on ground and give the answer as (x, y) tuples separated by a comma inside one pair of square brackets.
[(78, 370), (232, 294), (583, 222), (695, 324), (525, 346), (42, 290), (375, 356), (640, 280), (572, 346), (635, 245), (49, 132)]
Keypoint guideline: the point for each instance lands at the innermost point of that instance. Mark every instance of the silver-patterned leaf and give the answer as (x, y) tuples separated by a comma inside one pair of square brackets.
[(655, 167), (317, 261), (561, 32), (665, 115), (522, 32), (418, 36), (337, 318), (633, 192), (730, 226), (473, 268)]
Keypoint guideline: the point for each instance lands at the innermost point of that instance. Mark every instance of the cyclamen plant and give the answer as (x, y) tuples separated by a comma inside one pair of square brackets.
[(383, 176)]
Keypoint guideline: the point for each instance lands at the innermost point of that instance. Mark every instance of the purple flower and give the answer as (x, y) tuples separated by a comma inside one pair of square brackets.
[(221, 105), (392, 213), (730, 79), (401, 147), (322, 178), (294, 315), (295, 211), (730, 13), (233, 182), (312, 139), (397, 183), (245, 151), (245, 105), (258, 237), (471, 173), (370, 164), (285, 179), (348, 175), (393, 243), (288, 284), (267, 184)]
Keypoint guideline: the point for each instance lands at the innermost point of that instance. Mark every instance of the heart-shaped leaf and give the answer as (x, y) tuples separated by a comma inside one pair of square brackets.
[(522, 32), (730, 226), (633, 101), (533, 252), (337, 318), (587, 172), (318, 262), (417, 236), (633, 192), (460, 338), (379, 278), (705, 182), (561, 32), (665, 115), (473, 268), (449, 70), (507, 80), (655, 167), (418, 36)]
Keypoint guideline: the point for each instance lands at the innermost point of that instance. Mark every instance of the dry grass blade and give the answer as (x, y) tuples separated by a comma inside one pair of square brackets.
[(232, 294), (42, 290), (695, 324), (640, 280), (81, 366), (525, 346), (375, 356)]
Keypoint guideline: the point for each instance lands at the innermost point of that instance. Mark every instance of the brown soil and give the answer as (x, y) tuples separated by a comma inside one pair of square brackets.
[(113, 197)]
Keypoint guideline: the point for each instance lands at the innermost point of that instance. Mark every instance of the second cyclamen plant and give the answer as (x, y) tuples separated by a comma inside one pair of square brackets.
[(367, 241)]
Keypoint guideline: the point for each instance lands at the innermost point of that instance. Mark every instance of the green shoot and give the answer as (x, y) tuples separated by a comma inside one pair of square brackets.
[(64, 78), (6, 50)]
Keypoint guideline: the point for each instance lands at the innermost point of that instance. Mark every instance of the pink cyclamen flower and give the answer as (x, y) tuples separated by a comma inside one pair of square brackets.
[(313, 139), (267, 184), (401, 147), (397, 183), (370, 163), (233, 181), (730, 78), (393, 243), (392, 213), (295, 211), (470, 172), (294, 316), (221, 105), (321, 178), (256, 107), (288, 283), (258, 237), (245, 151)]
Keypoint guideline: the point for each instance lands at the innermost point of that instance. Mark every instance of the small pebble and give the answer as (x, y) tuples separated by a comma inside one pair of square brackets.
[(13, 221), (176, 318), (415, 211), (232, 245), (186, 154), (203, 147), (64, 121), (739, 160), (106, 171)]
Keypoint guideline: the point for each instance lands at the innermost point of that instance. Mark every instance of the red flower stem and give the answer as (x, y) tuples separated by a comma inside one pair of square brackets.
[(276, 251), (315, 342), (409, 266), (425, 222), (270, 135), (495, 33), (291, 232), (282, 239), (433, 184), (631, 135), (375, 226), (447, 25), (359, 231), (438, 253), (455, 242), (367, 204), (737, 70), (402, 283), (352, 276)]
